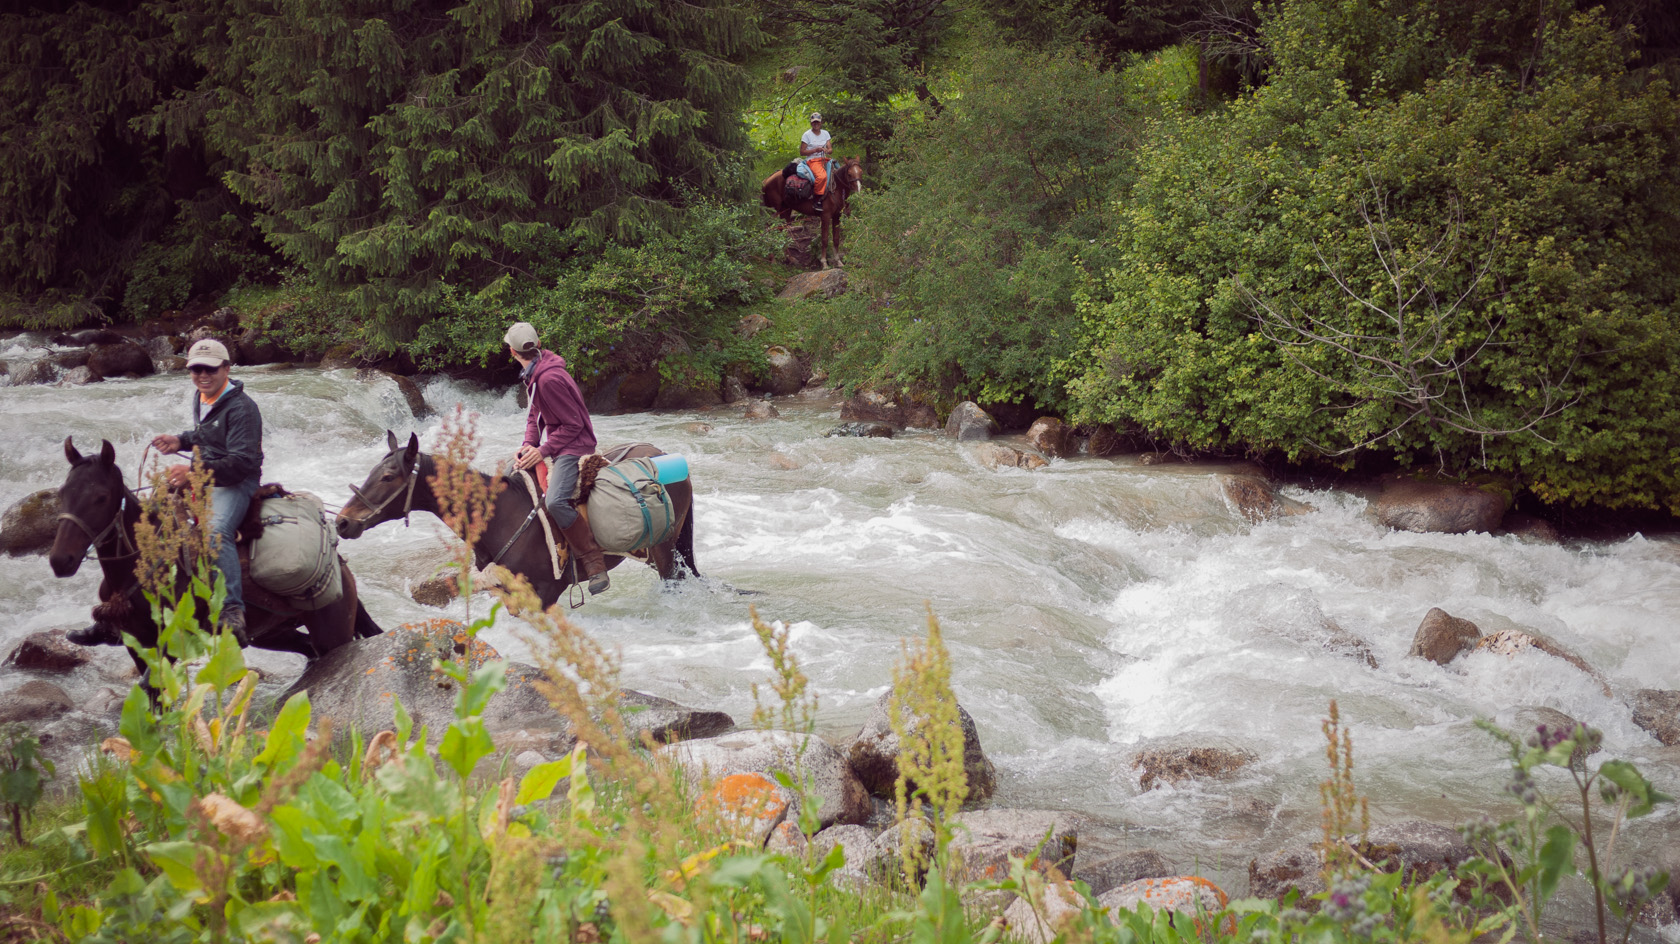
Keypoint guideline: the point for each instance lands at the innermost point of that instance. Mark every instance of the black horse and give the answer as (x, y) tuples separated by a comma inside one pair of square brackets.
[(401, 483), (100, 512)]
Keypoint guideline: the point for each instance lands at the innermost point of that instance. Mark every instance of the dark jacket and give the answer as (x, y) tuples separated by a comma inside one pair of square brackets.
[(558, 424), (229, 436)]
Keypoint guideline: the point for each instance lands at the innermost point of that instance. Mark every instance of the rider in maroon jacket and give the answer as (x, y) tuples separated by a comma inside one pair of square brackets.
[(557, 428)]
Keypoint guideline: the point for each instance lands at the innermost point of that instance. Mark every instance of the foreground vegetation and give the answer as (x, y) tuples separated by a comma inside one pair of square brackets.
[(205, 821), (1379, 234)]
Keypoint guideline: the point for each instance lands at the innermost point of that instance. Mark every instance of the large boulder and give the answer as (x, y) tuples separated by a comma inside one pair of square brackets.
[(921, 416), (970, 423), (1442, 636), (787, 374), (1658, 711), (863, 430), (998, 456), (760, 410), (1043, 918), (873, 754), (1411, 505), (696, 394), (39, 371), (1257, 499), (982, 842), (30, 524), (1052, 437), (354, 685), (748, 806), (826, 283), (47, 652), (34, 700), (1173, 765), (1417, 848), (126, 359), (1179, 894), (872, 406), (1117, 870), (734, 389), (844, 799)]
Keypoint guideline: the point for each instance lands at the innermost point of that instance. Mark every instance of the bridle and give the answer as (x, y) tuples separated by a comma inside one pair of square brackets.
[(376, 511), (125, 544)]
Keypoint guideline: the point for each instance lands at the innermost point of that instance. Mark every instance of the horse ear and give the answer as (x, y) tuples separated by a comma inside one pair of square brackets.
[(70, 451), (107, 453), (390, 441), (412, 449)]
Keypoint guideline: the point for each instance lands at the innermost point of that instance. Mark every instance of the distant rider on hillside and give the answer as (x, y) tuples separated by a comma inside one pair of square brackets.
[(817, 146)]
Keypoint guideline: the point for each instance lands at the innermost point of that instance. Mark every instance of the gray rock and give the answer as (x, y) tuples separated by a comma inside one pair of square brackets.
[(70, 360), (1257, 499), (787, 374), (1177, 894), (873, 754), (751, 324), (1415, 847), (77, 376), (760, 410), (30, 524), (1658, 711), (47, 652), (1041, 922), (844, 800), (1442, 636), (354, 686), (872, 406), (1163, 766), (856, 840), (885, 858), (734, 389), (969, 423), (827, 283), (164, 346), (34, 700), (1509, 642), (863, 430), (1410, 505), (39, 371), (994, 455), (1115, 871), (1052, 437), (983, 840)]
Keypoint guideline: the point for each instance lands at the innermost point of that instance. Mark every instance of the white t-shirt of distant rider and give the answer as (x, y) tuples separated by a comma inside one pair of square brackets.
[(816, 139)]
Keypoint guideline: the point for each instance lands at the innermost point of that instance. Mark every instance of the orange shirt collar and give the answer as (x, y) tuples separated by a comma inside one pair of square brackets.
[(211, 401)]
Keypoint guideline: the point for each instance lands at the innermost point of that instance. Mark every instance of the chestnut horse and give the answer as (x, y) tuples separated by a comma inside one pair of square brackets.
[(401, 483), (100, 512), (843, 183)]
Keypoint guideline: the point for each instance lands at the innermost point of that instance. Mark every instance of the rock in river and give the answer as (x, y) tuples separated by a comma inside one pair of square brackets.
[(29, 525), (1442, 636), (1411, 505), (873, 754)]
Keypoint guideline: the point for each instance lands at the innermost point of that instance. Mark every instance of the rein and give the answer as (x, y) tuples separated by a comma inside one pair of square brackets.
[(374, 511), (95, 538)]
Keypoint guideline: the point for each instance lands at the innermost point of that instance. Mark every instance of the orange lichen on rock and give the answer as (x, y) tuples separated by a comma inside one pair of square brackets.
[(1188, 894), (748, 804)]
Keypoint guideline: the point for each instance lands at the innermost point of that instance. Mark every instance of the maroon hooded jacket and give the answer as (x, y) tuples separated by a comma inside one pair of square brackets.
[(558, 423)]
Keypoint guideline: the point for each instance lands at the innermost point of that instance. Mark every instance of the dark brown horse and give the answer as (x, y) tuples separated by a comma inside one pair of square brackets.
[(843, 183), (100, 512), (401, 483)]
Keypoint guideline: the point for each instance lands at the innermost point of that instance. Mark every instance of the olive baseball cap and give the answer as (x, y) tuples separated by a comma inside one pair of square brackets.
[(521, 337), (207, 353)]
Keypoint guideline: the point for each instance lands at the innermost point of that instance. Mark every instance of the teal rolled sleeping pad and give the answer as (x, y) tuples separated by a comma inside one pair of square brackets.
[(671, 468)]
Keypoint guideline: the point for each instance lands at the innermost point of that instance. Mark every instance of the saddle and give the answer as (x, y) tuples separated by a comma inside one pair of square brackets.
[(535, 480)]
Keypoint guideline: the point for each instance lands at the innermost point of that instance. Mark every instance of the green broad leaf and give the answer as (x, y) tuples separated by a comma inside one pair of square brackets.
[(1557, 859), (354, 883), (487, 680), (138, 726), (179, 863), (836, 859), (539, 782), (259, 920), (405, 724), (286, 735), (465, 743), (226, 666), (289, 827), (1643, 796)]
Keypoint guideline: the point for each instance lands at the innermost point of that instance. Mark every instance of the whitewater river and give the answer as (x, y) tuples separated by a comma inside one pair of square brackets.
[(1093, 608)]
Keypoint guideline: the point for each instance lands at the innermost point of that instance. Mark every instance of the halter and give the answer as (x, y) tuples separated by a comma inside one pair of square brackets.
[(94, 538), (374, 511)]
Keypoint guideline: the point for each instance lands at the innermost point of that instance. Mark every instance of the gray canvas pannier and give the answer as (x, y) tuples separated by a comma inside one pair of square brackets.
[(296, 557), (629, 509)]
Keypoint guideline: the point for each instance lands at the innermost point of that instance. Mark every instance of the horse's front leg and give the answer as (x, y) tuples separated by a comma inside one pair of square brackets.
[(839, 262), (822, 241)]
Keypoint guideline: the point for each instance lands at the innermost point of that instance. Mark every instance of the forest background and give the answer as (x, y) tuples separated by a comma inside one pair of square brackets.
[(1350, 233)]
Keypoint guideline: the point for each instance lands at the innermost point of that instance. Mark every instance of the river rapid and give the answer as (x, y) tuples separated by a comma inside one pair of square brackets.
[(1092, 608)]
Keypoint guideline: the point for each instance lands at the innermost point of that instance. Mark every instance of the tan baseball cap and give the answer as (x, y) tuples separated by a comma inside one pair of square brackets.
[(207, 353), (521, 337)]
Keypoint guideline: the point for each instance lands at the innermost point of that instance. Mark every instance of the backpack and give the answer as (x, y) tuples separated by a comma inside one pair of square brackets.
[(797, 188), (295, 556), (629, 509)]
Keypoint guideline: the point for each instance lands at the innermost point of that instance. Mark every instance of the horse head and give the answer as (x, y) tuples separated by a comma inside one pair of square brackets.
[(394, 479), (91, 503)]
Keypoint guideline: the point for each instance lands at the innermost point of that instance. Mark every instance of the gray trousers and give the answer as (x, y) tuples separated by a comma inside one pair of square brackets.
[(562, 481)]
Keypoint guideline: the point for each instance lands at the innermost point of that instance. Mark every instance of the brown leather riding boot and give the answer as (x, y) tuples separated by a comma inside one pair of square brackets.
[(582, 542)]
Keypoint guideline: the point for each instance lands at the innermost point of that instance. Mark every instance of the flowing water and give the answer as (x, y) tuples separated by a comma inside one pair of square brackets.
[(1092, 608)]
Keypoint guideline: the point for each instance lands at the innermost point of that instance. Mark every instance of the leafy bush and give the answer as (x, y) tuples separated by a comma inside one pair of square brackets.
[(965, 264), (1467, 275)]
